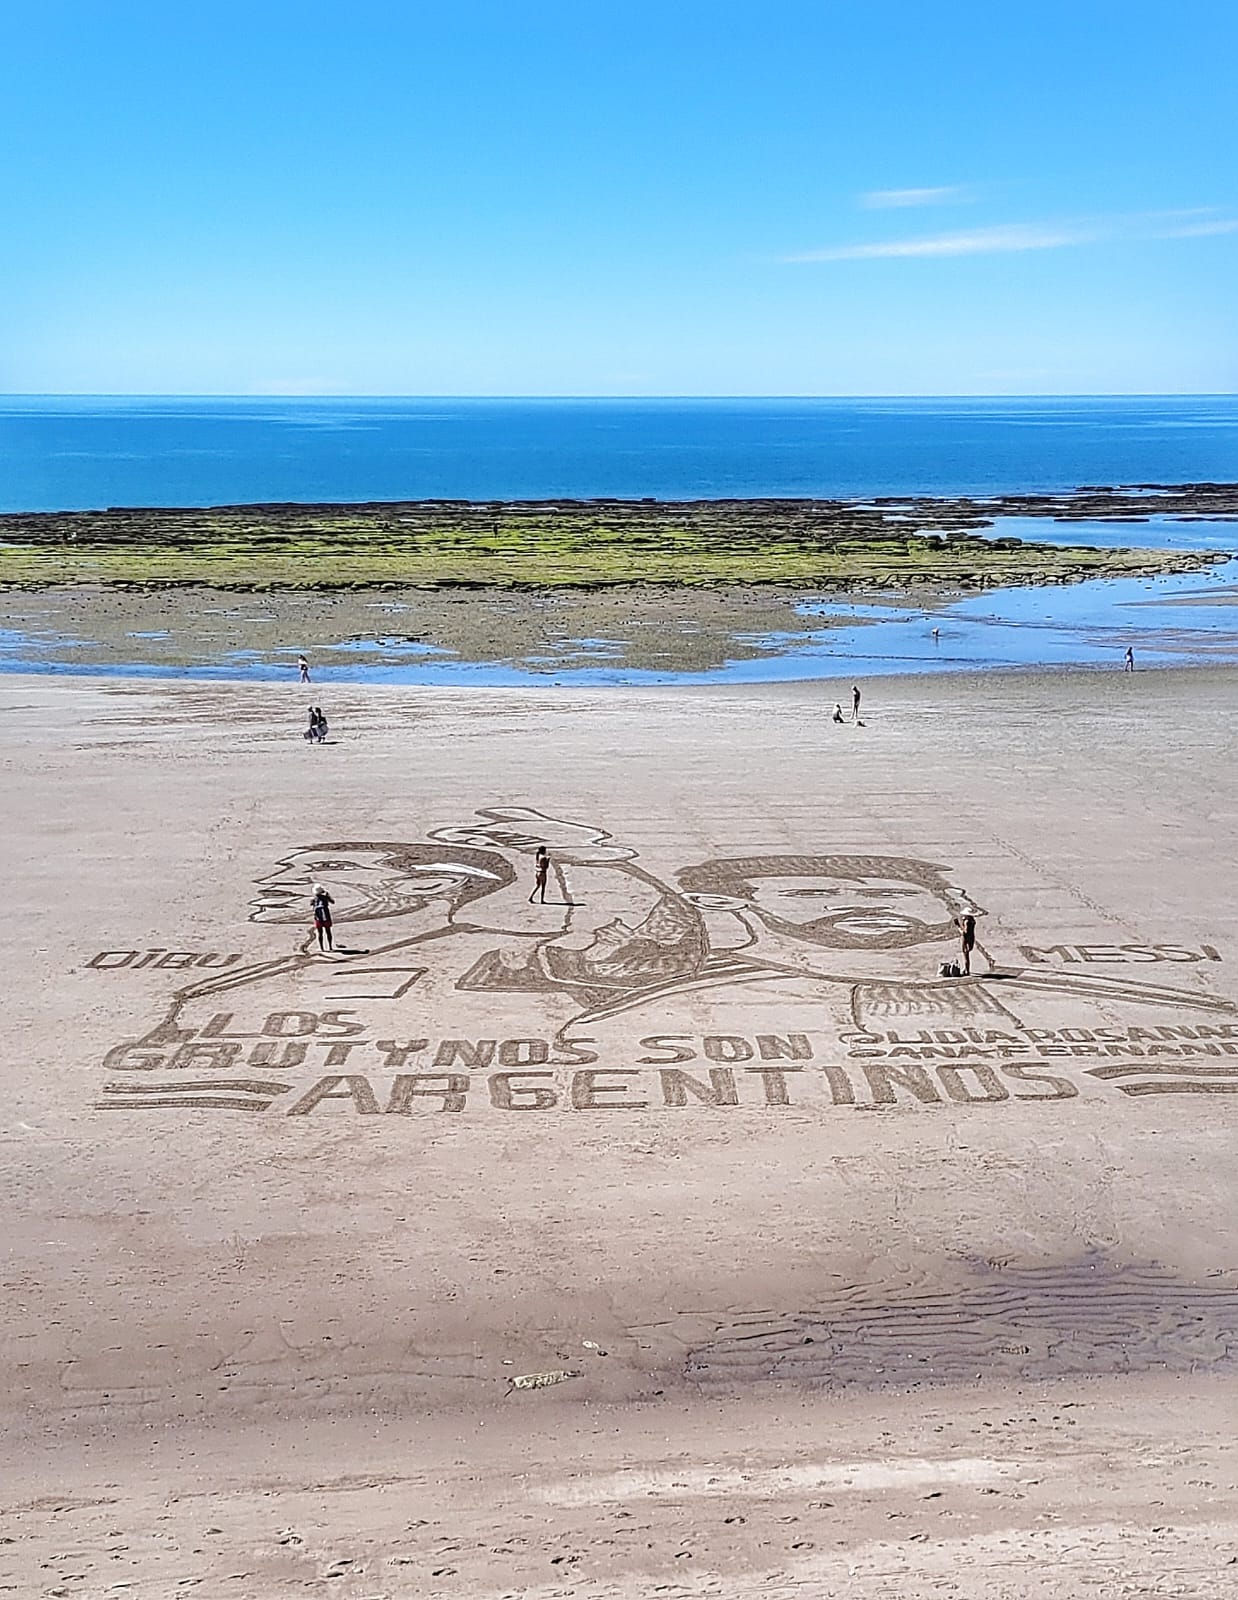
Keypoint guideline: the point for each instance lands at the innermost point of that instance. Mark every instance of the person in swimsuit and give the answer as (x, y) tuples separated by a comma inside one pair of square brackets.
[(838, 711), (855, 702), (303, 668), (322, 917), (541, 871)]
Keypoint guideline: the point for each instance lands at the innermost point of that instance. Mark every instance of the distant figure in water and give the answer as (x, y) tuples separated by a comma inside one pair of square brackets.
[(966, 925), (303, 667), (541, 871), (322, 917), (838, 711), (1128, 660), (855, 702), (936, 635)]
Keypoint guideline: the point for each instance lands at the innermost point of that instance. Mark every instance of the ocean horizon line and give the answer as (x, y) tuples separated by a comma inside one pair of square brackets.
[(276, 396)]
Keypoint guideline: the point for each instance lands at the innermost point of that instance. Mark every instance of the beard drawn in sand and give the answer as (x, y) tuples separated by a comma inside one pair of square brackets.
[(625, 931), (878, 926), (447, 912), (834, 902), (451, 911)]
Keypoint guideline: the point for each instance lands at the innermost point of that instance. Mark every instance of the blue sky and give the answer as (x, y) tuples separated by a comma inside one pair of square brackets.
[(847, 197)]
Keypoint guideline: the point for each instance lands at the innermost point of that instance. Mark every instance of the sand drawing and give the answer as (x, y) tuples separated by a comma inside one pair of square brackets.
[(845, 950)]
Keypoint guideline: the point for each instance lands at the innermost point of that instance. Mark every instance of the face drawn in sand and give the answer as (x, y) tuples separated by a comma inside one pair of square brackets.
[(836, 902), (377, 881), (847, 945)]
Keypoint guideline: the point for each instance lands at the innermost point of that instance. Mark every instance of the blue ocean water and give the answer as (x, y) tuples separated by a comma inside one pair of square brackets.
[(79, 453)]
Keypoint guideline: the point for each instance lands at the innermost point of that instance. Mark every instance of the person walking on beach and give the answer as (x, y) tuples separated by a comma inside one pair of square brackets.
[(1128, 660), (303, 668), (966, 924), (855, 702), (322, 917), (541, 871)]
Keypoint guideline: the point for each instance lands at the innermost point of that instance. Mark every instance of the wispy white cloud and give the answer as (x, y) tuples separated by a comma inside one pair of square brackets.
[(1201, 230), (889, 199), (973, 242), (1020, 236)]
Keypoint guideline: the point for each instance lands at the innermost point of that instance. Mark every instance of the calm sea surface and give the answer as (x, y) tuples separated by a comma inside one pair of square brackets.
[(79, 453), (76, 454)]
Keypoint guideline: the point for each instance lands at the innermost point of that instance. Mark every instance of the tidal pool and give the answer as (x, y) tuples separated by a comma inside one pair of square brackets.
[(647, 636)]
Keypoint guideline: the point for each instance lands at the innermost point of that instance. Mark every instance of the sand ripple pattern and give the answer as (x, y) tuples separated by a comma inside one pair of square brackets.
[(1014, 1323)]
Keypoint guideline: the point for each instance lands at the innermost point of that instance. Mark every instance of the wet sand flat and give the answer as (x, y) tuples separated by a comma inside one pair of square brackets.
[(687, 1234), (616, 637)]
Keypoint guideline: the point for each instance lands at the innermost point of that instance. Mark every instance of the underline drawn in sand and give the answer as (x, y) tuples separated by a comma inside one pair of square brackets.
[(785, 978)]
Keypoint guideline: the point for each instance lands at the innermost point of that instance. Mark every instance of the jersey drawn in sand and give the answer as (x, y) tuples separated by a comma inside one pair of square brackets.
[(836, 953)]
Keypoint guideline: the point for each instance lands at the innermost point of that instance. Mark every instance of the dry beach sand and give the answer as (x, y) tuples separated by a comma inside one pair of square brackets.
[(825, 1275)]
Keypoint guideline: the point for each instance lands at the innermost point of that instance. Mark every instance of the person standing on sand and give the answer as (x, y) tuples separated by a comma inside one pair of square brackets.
[(966, 924), (855, 702), (1128, 661), (322, 917), (303, 668), (541, 871)]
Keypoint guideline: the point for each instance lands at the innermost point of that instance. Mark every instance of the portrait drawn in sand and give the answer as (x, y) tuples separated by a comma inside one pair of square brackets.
[(847, 942)]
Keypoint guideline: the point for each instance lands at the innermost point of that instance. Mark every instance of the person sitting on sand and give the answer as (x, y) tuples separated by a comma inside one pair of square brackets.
[(838, 711)]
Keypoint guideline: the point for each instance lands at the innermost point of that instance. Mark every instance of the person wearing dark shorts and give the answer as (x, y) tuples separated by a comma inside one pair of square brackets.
[(322, 917), (966, 925)]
